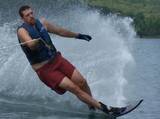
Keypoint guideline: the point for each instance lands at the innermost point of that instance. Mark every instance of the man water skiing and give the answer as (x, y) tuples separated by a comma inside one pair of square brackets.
[(51, 67)]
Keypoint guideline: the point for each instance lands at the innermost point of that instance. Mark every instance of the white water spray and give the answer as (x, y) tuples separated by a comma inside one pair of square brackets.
[(102, 61)]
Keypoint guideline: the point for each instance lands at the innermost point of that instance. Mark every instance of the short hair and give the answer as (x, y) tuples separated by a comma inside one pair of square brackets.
[(23, 8)]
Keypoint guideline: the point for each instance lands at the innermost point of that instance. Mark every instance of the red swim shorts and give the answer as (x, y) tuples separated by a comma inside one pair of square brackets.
[(53, 73)]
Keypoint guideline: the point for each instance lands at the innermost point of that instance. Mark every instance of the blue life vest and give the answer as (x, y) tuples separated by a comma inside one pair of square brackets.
[(42, 52)]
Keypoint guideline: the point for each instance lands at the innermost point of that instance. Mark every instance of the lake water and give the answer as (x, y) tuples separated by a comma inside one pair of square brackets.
[(119, 67)]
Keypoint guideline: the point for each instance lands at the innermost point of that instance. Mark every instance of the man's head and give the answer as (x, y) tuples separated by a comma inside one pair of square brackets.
[(26, 14)]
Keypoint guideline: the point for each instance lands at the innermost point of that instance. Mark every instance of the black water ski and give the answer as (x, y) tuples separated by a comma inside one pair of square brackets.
[(129, 108)]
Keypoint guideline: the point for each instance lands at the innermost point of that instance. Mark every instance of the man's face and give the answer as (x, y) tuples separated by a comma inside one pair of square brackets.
[(28, 16)]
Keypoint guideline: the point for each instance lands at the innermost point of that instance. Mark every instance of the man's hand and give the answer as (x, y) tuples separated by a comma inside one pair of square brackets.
[(84, 37)]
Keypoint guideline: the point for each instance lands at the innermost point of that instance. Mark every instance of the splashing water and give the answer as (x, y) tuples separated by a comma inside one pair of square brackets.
[(102, 61)]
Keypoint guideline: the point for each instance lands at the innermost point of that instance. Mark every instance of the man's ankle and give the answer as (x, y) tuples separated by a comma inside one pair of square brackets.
[(104, 108)]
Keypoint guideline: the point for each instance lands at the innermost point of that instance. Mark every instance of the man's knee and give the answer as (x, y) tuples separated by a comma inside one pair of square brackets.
[(82, 83), (76, 90), (68, 85), (79, 79)]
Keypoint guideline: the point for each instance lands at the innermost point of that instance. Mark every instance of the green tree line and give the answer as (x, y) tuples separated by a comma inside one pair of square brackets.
[(146, 13)]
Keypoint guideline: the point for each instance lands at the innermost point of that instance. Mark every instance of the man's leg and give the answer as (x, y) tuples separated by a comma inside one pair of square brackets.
[(68, 85), (79, 80)]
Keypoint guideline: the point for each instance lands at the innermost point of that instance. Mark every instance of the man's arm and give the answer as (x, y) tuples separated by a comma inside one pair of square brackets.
[(58, 30), (26, 39), (63, 32)]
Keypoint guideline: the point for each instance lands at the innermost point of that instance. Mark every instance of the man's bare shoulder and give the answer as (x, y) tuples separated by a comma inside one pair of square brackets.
[(44, 21), (21, 30)]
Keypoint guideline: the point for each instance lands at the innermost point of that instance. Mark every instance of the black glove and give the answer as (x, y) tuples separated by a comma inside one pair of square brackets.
[(84, 37)]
